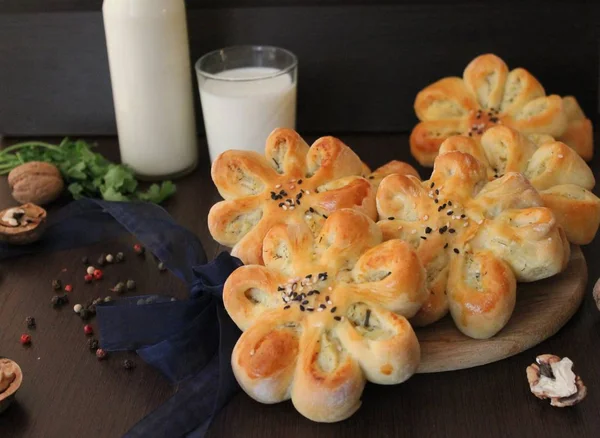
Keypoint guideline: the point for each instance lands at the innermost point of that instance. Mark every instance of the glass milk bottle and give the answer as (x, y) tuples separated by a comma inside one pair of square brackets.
[(150, 72)]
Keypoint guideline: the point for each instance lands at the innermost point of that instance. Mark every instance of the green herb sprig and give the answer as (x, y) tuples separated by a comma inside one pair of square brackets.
[(87, 173)]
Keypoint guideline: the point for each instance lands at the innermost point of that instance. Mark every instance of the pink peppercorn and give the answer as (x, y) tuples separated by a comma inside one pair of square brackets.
[(101, 354), (88, 329), (25, 339), (68, 288), (98, 274), (88, 278)]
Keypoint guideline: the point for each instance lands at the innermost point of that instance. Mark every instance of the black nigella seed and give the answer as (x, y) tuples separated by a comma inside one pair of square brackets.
[(371, 177), (281, 204), (325, 216), (310, 293), (445, 246), (444, 205), (280, 288), (450, 213), (337, 318), (450, 203), (299, 195), (299, 181), (428, 230), (432, 184), (56, 285), (55, 301), (333, 309), (423, 237), (85, 261), (452, 230), (310, 309), (456, 250), (436, 200), (305, 302), (443, 229), (367, 317), (470, 134), (437, 192), (64, 299), (93, 344), (283, 193), (286, 307), (128, 364), (322, 306), (312, 210), (308, 276), (302, 308), (327, 298), (316, 292), (30, 321), (462, 216), (391, 218)]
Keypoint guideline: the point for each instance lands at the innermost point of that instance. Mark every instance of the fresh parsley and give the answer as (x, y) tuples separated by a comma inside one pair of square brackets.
[(87, 173)]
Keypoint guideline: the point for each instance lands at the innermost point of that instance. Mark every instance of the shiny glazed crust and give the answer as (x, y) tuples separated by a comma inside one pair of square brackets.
[(475, 238), (488, 94), (325, 314), (562, 178), (290, 183)]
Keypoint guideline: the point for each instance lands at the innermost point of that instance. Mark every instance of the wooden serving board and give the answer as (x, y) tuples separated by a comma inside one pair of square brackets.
[(542, 308)]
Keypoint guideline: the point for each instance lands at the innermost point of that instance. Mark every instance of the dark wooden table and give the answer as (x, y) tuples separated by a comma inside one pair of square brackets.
[(68, 393)]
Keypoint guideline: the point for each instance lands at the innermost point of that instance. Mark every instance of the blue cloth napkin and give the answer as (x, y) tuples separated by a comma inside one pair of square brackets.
[(190, 341)]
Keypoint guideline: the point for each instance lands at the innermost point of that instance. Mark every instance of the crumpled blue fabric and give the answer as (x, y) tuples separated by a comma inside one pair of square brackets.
[(190, 341)]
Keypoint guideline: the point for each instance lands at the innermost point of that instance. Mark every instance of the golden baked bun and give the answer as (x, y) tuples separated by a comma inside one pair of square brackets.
[(562, 178), (389, 168), (475, 238), (580, 132), (488, 94), (325, 314), (290, 183)]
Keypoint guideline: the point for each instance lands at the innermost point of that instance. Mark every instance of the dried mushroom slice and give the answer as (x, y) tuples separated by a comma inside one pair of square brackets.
[(23, 224), (552, 377)]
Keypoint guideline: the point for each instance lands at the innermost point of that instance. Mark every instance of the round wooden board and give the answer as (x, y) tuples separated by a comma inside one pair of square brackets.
[(542, 308)]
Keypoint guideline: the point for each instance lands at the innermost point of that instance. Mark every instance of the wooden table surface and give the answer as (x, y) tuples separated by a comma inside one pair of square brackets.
[(68, 393)]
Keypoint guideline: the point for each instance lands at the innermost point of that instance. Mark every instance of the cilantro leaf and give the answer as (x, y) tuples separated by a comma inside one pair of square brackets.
[(158, 193)]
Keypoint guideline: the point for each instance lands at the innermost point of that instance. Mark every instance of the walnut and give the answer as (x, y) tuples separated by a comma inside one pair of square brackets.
[(552, 377), (37, 182), (597, 293), (22, 225), (10, 381)]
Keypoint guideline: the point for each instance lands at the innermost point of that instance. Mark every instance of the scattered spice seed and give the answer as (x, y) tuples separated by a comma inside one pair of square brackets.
[(423, 237), (101, 354), (88, 278), (428, 230), (109, 258), (450, 213), (93, 344), (391, 218), (88, 329), (30, 321), (337, 318), (98, 274), (90, 270), (25, 339), (85, 260), (446, 246), (128, 364), (286, 307), (101, 260), (77, 308), (302, 308), (55, 301), (432, 185), (139, 249), (333, 309), (131, 285), (119, 257), (456, 251), (107, 299), (85, 314), (452, 231), (450, 203), (68, 288), (56, 285)]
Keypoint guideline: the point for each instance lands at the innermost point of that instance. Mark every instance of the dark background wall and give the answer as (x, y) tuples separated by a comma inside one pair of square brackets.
[(361, 62)]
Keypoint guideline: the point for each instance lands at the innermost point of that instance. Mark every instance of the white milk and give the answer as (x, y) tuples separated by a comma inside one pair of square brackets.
[(242, 114), (152, 89)]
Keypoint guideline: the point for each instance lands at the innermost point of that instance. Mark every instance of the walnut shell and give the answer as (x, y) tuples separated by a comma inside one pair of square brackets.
[(37, 182), (11, 378), (29, 228)]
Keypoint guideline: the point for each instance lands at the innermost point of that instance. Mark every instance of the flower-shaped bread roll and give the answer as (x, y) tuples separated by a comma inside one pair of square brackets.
[(475, 238), (580, 132), (325, 314), (561, 176), (291, 183), (486, 95), (389, 168)]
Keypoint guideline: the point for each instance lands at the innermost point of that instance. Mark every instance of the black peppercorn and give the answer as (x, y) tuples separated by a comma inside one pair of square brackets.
[(64, 299), (101, 260), (56, 285), (93, 344), (55, 301), (85, 260), (131, 285), (128, 364), (30, 321), (85, 314), (119, 257)]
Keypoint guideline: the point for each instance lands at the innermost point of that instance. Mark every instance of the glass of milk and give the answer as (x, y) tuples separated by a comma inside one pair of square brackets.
[(246, 92)]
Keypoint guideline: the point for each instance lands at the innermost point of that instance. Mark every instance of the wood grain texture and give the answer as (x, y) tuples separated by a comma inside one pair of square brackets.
[(68, 394), (360, 67), (542, 309)]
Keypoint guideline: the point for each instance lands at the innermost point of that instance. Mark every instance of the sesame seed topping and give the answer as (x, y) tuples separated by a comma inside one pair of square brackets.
[(413, 232), (307, 217), (329, 288), (466, 224), (400, 227), (320, 309), (292, 181), (252, 352), (560, 155), (292, 186), (284, 207), (278, 186), (307, 192), (292, 207), (329, 302), (549, 239), (425, 217), (480, 221)]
